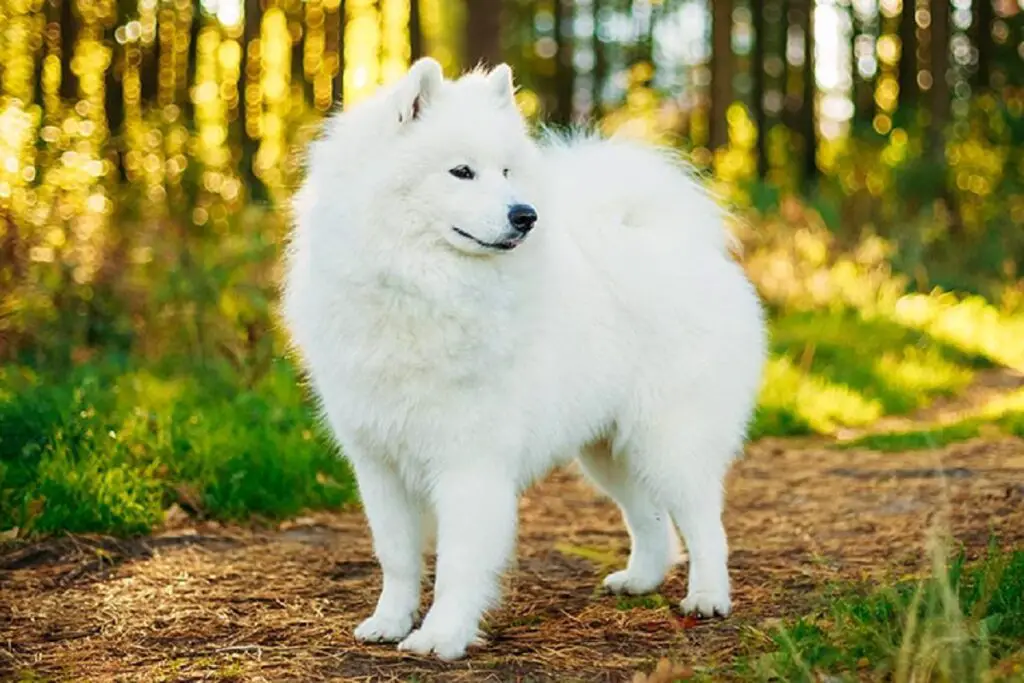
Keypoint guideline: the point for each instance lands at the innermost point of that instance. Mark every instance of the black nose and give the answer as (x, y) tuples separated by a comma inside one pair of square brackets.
[(522, 217)]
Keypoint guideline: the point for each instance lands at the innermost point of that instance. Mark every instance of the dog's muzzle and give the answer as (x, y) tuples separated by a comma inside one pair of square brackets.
[(521, 219)]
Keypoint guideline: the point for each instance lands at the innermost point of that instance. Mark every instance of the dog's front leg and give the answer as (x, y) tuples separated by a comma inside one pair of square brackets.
[(476, 525), (398, 543)]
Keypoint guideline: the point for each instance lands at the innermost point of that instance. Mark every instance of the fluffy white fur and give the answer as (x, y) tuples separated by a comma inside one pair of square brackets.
[(619, 332)]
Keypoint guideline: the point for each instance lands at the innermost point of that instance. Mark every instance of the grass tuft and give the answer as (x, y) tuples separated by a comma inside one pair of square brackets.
[(964, 622), (832, 369), (107, 449), (924, 439)]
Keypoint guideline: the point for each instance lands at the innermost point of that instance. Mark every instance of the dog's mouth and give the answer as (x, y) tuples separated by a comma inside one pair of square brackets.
[(506, 244)]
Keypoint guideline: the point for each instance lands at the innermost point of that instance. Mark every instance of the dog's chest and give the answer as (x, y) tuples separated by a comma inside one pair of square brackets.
[(391, 370)]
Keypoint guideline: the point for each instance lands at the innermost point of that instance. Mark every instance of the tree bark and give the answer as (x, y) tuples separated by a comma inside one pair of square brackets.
[(250, 33), (68, 34), (149, 68), (483, 32), (298, 75), (808, 115), (338, 82), (940, 95), (757, 68), (600, 61), (908, 66), (195, 26), (564, 72), (941, 105), (113, 104), (863, 87), (982, 20), (721, 72), (415, 31)]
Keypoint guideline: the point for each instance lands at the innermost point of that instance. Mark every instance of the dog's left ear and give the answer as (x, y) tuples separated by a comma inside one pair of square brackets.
[(418, 87), (500, 80)]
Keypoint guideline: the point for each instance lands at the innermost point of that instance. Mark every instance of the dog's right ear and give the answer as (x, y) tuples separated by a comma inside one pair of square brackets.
[(500, 80), (417, 88)]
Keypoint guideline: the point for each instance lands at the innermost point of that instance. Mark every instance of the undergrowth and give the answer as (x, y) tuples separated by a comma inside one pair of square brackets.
[(964, 622), (921, 439), (108, 448), (109, 445)]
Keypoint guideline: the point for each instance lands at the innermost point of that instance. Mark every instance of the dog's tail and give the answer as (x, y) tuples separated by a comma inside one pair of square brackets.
[(640, 184)]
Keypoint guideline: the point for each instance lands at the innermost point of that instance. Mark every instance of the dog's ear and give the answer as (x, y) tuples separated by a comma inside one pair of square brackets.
[(500, 80), (417, 88)]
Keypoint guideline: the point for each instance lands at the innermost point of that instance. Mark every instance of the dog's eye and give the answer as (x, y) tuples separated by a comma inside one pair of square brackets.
[(463, 172), (504, 172)]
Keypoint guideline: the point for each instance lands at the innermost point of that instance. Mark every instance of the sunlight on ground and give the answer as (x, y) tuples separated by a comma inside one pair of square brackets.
[(971, 324), (848, 347), (847, 370), (812, 404)]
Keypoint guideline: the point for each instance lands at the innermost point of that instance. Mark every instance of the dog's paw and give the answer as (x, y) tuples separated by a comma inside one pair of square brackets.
[(624, 583), (707, 604), (447, 644), (384, 629)]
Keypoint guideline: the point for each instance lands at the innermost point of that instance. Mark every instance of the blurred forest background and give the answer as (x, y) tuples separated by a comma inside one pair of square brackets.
[(147, 143), (873, 149)]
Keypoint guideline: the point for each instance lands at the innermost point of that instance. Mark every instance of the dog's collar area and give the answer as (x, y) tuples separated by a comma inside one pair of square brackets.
[(500, 246)]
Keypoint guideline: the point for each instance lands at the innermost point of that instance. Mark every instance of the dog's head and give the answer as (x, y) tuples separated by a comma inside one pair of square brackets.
[(460, 155)]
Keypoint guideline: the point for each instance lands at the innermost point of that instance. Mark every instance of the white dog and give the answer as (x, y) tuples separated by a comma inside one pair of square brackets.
[(473, 308)]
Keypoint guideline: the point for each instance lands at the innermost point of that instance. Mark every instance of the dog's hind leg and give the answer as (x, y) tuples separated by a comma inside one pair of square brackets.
[(690, 462), (654, 544), (398, 543)]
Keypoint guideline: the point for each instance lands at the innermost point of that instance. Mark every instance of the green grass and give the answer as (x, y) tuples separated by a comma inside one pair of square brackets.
[(1010, 422), (937, 437), (630, 602), (831, 369), (107, 448), (963, 623), (1013, 423)]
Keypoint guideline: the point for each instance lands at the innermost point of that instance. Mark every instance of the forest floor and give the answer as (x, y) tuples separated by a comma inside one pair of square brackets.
[(207, 601)]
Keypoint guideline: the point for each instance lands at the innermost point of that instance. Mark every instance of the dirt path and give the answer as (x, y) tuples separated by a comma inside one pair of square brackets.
[(235, 604)]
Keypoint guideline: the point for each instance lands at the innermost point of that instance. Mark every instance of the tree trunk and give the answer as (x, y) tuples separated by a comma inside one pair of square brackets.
[(808, 116), (790, 99), (68, 34), (940, 95), (644, 49), (195, 26), (983, 16), (381, 38), (863, 87), (250, 33), (908, 66), (600, 62), (757, 98), (149, 68), (941, 105), (298, 75), (564, 72), (114, 90), (113, 96), (721, 72), (338, 82), (483, 32), (415, 31)]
